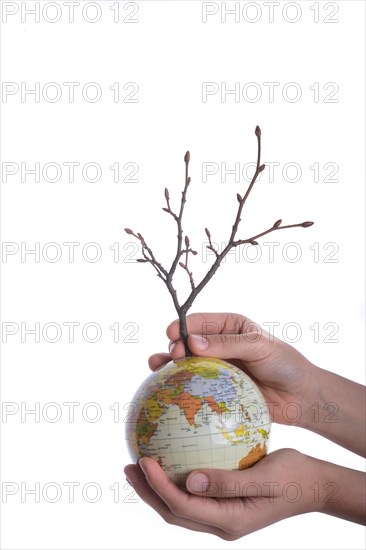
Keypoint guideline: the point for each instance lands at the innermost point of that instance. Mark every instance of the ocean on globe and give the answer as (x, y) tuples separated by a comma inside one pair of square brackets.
[(198, 412)]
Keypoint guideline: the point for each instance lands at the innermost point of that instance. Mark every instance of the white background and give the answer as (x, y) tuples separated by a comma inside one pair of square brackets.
[(168, 52)]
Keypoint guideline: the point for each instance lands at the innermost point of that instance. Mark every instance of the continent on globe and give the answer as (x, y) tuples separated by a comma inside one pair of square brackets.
[(198, 412)]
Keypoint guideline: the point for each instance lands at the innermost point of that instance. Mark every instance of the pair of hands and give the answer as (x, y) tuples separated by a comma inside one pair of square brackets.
[(285, 483)]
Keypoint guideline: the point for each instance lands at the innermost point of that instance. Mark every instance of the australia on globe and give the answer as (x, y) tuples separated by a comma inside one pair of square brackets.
[(198, 412)]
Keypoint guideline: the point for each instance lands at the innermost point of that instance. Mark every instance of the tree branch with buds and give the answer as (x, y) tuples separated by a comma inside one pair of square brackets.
[(185, 250)]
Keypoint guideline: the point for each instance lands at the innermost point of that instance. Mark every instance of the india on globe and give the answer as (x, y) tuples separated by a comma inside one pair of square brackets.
[(198, 412)]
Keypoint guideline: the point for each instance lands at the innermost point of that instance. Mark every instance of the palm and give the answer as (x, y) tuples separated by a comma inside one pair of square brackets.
[(259, 501)]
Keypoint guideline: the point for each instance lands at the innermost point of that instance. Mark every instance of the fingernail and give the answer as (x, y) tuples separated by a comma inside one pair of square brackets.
[(141, 464), (200, 342), (171, 346), (129, 477), (198, 483)]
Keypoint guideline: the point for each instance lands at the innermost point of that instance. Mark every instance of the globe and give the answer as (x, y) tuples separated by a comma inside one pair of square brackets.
[(198, 412)]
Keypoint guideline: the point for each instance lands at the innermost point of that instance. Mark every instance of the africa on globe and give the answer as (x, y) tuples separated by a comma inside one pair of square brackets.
[(198, 412)]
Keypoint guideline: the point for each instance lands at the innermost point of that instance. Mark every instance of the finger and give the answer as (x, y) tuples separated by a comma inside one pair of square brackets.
[(224, 346), (212, 323), (138, 481), (250, 347), (211, 512), (158, 360)]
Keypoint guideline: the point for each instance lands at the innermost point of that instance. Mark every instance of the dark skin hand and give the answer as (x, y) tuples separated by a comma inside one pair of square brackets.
[(231, 504)]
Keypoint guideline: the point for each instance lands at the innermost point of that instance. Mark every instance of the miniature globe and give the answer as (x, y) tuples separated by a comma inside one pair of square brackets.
[(198, 412)]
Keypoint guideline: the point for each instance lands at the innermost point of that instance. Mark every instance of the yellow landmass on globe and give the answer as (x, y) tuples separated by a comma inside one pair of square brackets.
[(145, 429), (239, 431), (203, 366), (153, 409)]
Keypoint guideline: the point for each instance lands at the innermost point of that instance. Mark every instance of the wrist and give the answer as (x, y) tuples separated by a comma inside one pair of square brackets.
[(315, 485), (343, 492), (334, 407), (311, 400)]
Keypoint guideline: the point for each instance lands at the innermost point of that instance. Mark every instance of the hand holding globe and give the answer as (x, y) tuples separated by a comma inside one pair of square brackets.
[(231, 504)]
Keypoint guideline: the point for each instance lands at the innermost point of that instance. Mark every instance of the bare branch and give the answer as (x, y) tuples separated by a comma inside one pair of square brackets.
[(186, 251), (178, 218), (167, 276), (157, 265), (232, 243), (274, 228), (185, 267), (258, 170)]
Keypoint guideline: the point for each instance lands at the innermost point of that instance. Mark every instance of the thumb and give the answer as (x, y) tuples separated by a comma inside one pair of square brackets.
[(252, 482), (250, 346)]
